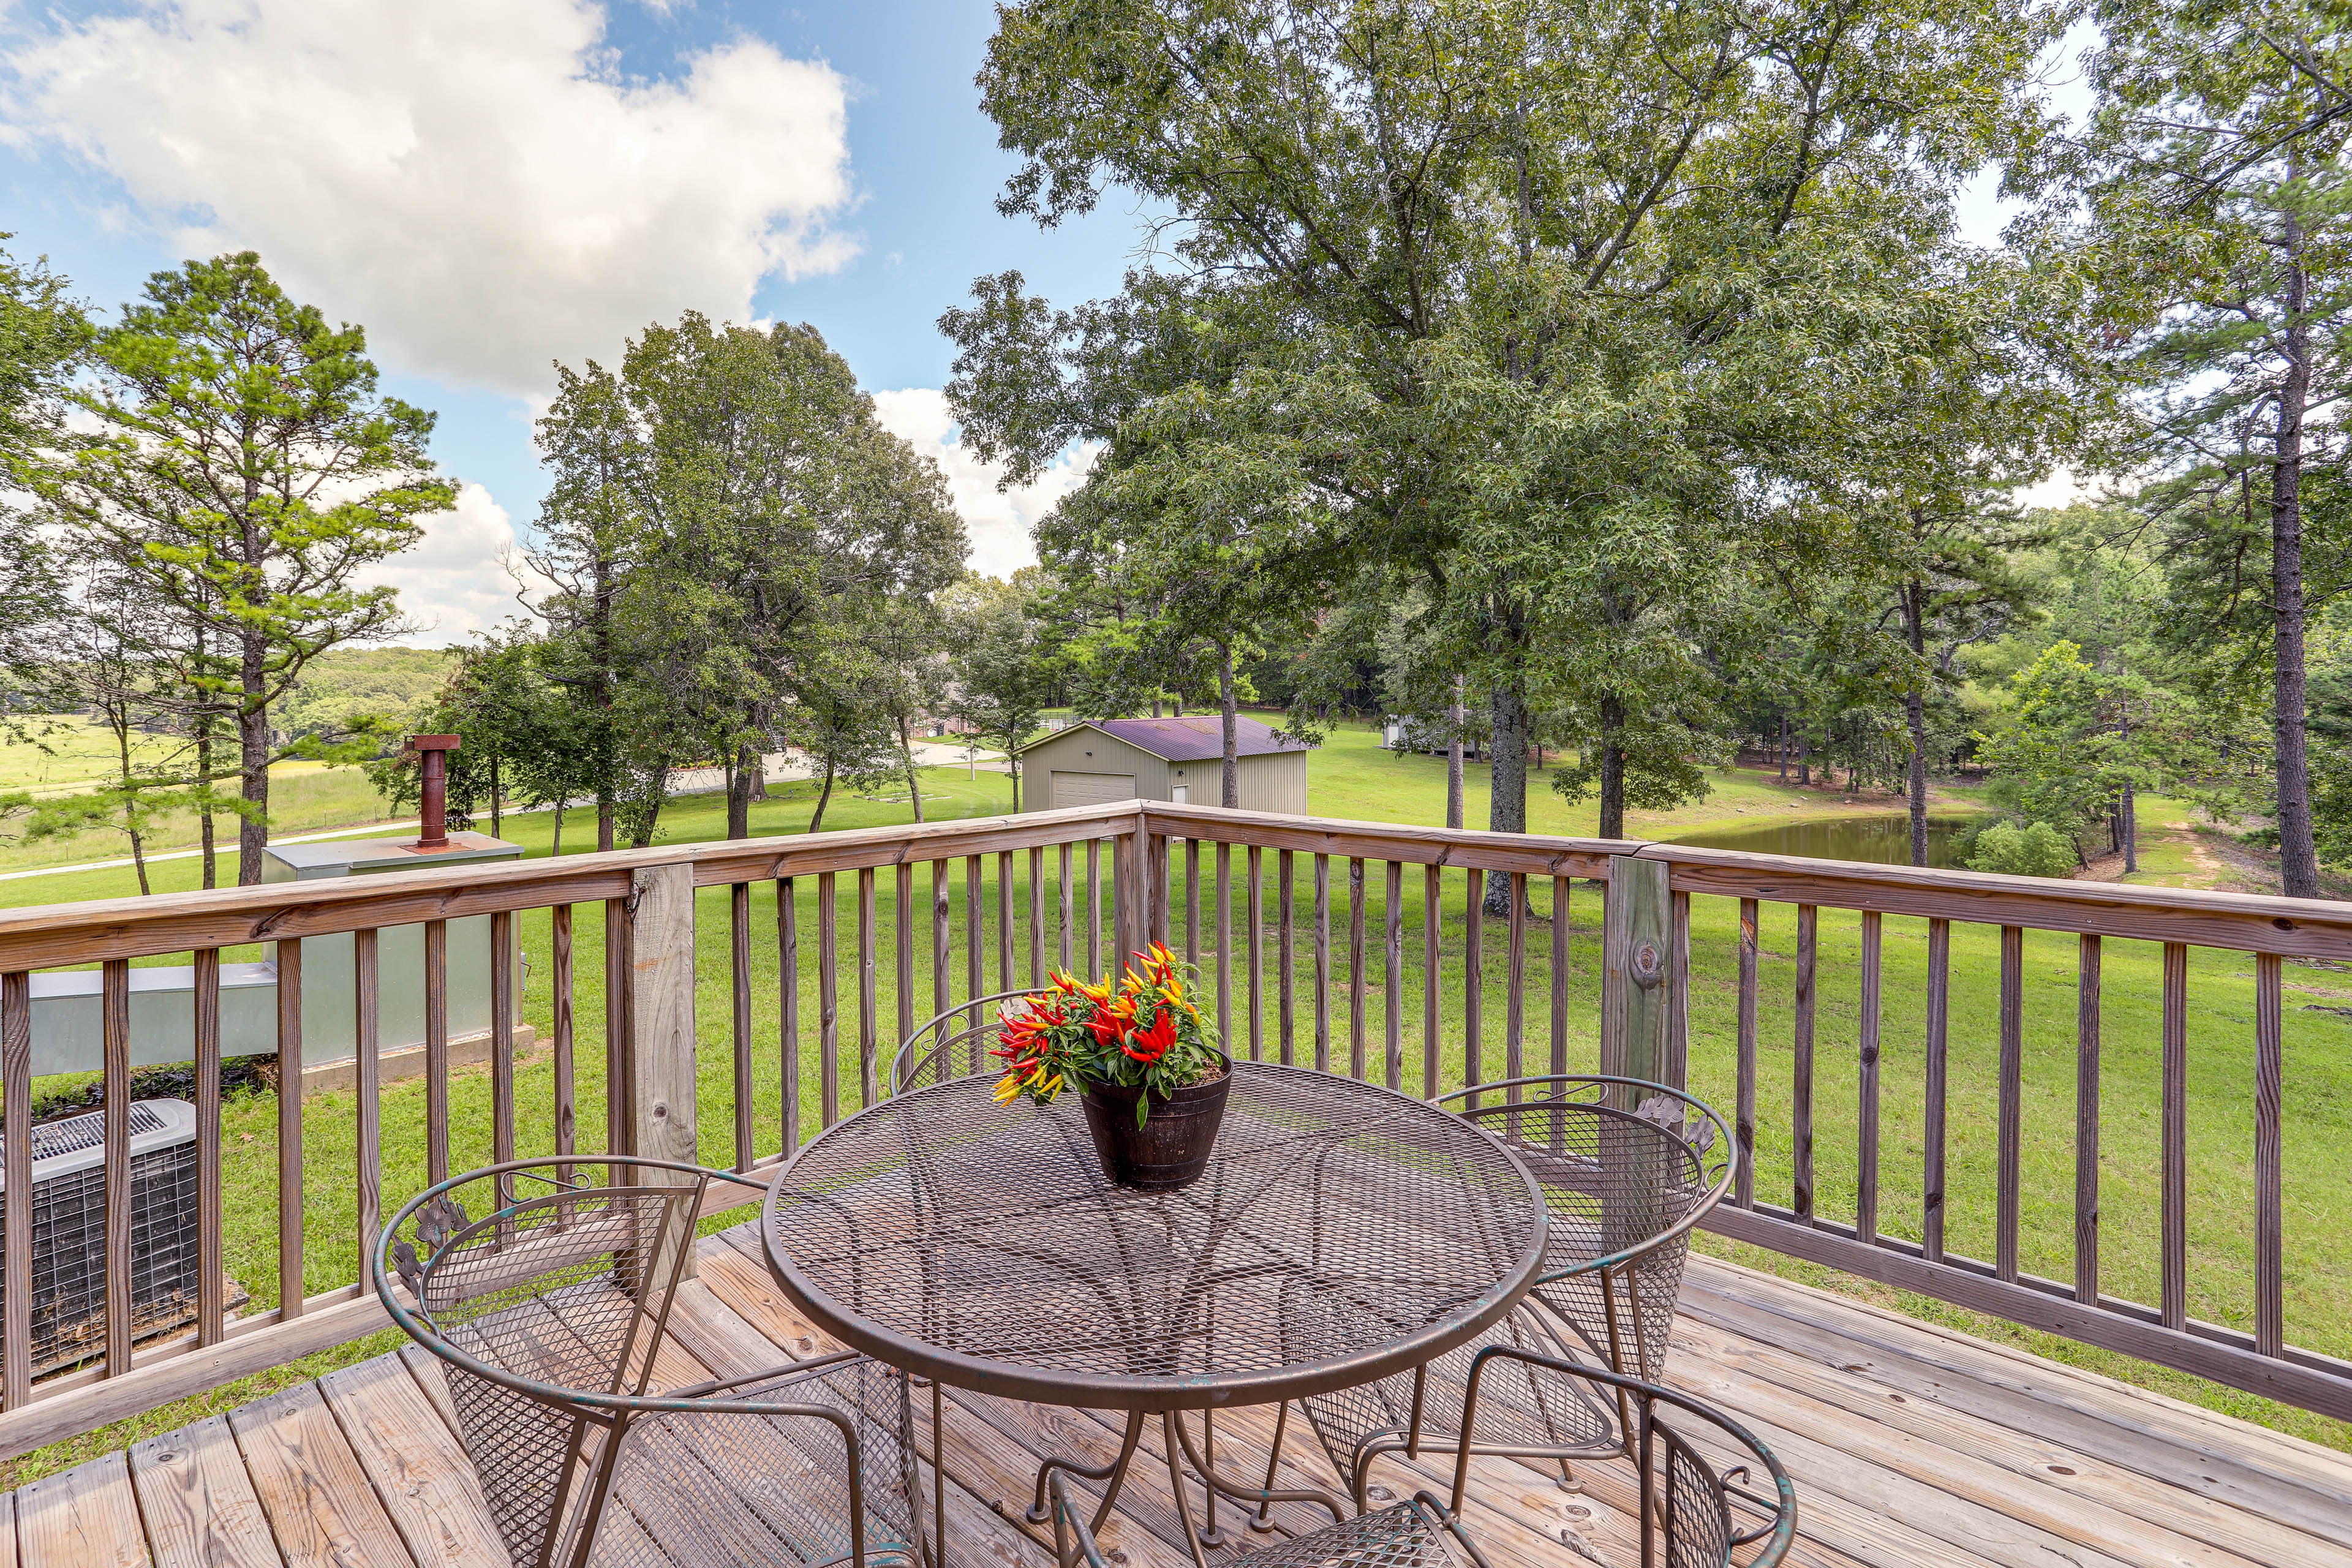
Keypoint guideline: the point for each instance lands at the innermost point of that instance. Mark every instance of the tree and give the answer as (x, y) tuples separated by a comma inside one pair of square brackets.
[(42, 335), (246, 466), (999, 660), (2220, 219)]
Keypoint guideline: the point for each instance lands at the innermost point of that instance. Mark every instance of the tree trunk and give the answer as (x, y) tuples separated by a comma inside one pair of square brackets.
[(1783, 747), (739, 793), (823, 795), (1013, 766), (1804, 762), (2298, 859), (1914, 707), (603, 819), (1506, 796), (1456, 715), (498, 806), (1612, 768), (561, 802), (906, 750), (1229, 787), (2129, 821), (253, 765), (204, 797)]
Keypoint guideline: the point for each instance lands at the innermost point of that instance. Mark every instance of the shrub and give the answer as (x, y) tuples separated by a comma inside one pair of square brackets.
[(2040, 850)]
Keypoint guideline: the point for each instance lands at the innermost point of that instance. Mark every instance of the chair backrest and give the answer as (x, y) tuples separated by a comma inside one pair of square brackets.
[(534, 1281), (1627, 1168), (933, 1053)]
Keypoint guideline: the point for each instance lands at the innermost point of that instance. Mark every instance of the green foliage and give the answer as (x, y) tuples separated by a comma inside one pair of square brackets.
[(343, 692), (2037, 850), (1001, 655)]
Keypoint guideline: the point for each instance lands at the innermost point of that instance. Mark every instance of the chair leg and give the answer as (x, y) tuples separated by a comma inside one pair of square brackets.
[(1263, 1521)]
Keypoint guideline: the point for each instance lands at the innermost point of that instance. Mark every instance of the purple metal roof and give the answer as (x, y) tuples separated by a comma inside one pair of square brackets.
[(1196, 738)]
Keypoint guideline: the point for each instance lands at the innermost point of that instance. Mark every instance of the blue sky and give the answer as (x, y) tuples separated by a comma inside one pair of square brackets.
[(444, 179), (487, 186)]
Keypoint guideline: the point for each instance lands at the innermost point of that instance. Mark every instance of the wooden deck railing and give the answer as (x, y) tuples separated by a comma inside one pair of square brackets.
[(1630, 1007)]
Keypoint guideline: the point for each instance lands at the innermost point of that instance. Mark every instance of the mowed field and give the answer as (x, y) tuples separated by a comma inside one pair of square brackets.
[(1351, 777)]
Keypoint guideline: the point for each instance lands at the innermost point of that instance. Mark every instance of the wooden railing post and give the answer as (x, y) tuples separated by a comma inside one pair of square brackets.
[(661, 1025), (1638, 985)]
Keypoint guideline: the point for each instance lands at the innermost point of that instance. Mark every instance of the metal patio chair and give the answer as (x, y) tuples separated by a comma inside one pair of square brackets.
[(545, 1295), (920, 1063), (1627, 1168), (1685, 1510)]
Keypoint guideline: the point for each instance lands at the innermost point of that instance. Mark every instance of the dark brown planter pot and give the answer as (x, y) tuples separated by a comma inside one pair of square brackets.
[(1172, 1148)]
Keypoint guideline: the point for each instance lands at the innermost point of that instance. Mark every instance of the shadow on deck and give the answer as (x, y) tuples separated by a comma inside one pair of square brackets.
[(1909, 1445)]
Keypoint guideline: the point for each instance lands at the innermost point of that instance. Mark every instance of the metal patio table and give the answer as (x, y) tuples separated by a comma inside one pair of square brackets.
[(1342, 1232)]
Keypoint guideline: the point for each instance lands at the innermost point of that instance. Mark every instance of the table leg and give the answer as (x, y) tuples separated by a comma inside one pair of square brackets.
[(1210, 1536), (938, 1478), (1115, 1472), (1266, 1497), (1173, 1436)]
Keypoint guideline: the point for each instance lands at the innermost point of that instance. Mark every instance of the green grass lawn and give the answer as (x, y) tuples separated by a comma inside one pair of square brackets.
[(304, 797), (1351, 777)]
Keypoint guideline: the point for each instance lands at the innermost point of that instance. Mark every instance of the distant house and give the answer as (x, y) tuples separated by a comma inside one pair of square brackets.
[(1178, 759)]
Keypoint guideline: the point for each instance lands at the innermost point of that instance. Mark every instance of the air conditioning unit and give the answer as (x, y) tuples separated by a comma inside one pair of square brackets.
[(69, 1201)]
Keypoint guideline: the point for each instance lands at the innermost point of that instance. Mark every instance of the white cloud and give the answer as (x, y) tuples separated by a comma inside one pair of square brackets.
[(998, 521), (473, 182), (454, 582)]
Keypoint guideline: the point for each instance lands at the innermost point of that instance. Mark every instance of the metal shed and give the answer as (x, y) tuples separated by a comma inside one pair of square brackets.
[(1175, 760)]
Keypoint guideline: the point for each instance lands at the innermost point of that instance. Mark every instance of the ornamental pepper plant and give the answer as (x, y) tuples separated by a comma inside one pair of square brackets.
[(1144, 1032)]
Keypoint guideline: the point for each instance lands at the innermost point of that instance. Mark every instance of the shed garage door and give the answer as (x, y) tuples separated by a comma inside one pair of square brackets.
[(1091, 789)]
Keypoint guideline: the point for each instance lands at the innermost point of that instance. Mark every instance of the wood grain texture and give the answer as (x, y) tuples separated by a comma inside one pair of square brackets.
[(1094, 909), (1005, 920), (943, 937), (196, 1502), (565, 1043), (1561, 900), (115, 1030), (1285, 954), (1356, 969), (2270, 1293), (322, 1510), (1224, 934), (616, 1024), (87, 1517), (1037, 919), (1069, 906), (289, 1128), (1192, 901), (422, 1476), (974, 976), (1865, 1221), (788, 1007), (367, 1144), (1636, 973), (828, 1003), (661, 1023), (17, 1177), (1515, 985), (738, 1034), (2086, 1121), (1474, 980), (1743, 1191), (1255, 914), (2008, 1153), (437, 1051), (1800, 1068), (503, 1029), (210, 1288), (1678, 981), (1937, 1089), (903, 904), (1392, 975), (1322, 963), (1432, 915), (869, 1023)]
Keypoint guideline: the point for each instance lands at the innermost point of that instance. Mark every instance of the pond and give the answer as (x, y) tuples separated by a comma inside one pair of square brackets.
[(1884, 837)]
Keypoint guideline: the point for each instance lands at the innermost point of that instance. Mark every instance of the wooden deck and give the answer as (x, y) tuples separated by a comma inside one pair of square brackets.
[(1910, 1446)]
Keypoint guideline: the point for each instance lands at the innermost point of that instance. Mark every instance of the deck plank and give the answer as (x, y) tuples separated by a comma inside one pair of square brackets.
[(422, 1477), (87, 1517), (199, 1503), (321, 1509)]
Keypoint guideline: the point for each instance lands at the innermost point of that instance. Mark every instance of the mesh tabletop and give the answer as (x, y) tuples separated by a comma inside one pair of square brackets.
[(1341, 1231)]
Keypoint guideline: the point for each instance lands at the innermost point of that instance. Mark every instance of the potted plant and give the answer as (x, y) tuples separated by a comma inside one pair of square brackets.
[(1145, 1062)]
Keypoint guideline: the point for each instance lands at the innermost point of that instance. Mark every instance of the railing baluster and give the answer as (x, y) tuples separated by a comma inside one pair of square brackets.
[(1433, 910), (1192, 901), (1743, 1122), (1355, 968), (1126, 881), (16, 1185), (942, 946), (211, 1303), (788, 1010), (1678, 999), (1256, 900), (828, 1003), (1560, 899), (1158, 895), (115, 1128), (1063, 867), (502, 1019), (1036, 918), (436, 1052), (1865, 1197), (902, 894), (2012, 1100), (1393, 973), (1005, 920), (1474, 980), (567, 1133), (1800, 1066), (1094, 909), (975, 908), (366, 1036), (739, 966), (289, 1131), (868, 1011), (2269, 1300), (2086, 1122), (1939, 1013), (1225, 945), (1514, 1009), (2174, 1219), (1322, 963), (620, 1069), (1285, 958)]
